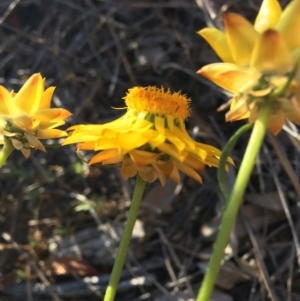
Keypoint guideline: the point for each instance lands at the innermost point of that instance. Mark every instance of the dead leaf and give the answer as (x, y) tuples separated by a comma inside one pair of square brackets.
[(68, 265)]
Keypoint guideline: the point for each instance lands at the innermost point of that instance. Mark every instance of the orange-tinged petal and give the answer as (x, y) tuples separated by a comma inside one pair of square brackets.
[(188, 171), (213, 161), (33, 141), (128, 169), (175, 176), (91, 145), (51, 115), (25, 122), (29, 96), (17, 144), (164, 170), (51, 133), (289, 24), (13, 94), (25, 152), (271, 53), (105, 155), (218, 41), (241, 37), (46, 99), (276, 120), (142, 158), (268, 15), (148, 173), (208, 149), (194, 162), (292, 108), (230, 77)]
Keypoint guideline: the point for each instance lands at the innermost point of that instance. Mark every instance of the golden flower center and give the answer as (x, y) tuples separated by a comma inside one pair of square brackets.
[(158, 101)]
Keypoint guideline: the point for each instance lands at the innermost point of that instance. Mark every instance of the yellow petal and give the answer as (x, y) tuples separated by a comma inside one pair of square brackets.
[(268, 15), (295, 56), (271, 53), (106, 143), (238, 110), (5, 101), (229, 76), (184, 137), (29, 97), (159, 124), (80, 137), (129, 141), (46, 99), (7, 105), (289, 24), (179, 144), (217, 40), (241, 37), (51, 133)]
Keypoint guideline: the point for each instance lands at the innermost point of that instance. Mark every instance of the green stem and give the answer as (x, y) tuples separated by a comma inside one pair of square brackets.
[(125, 240), (5, 152), (225, 154), (233, 203)]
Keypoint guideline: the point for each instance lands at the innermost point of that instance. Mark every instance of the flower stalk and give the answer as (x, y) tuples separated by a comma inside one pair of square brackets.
[(125, 240), (6, 150), (234, 201)]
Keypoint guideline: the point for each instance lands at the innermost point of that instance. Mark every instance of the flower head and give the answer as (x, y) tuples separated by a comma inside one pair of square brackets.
[(150, 139), (259, 60), (26, 117)]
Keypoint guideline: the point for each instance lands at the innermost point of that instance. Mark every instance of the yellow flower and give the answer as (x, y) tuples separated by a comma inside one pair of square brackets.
[(150, 139), (258, 60), (26, 117)]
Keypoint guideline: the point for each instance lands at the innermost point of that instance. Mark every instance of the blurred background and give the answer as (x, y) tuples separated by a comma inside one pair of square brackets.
[(61, 221)]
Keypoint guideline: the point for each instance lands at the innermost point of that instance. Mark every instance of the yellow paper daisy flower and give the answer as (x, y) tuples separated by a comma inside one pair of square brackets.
[(259, 60), (150, 139), (26, 116)]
